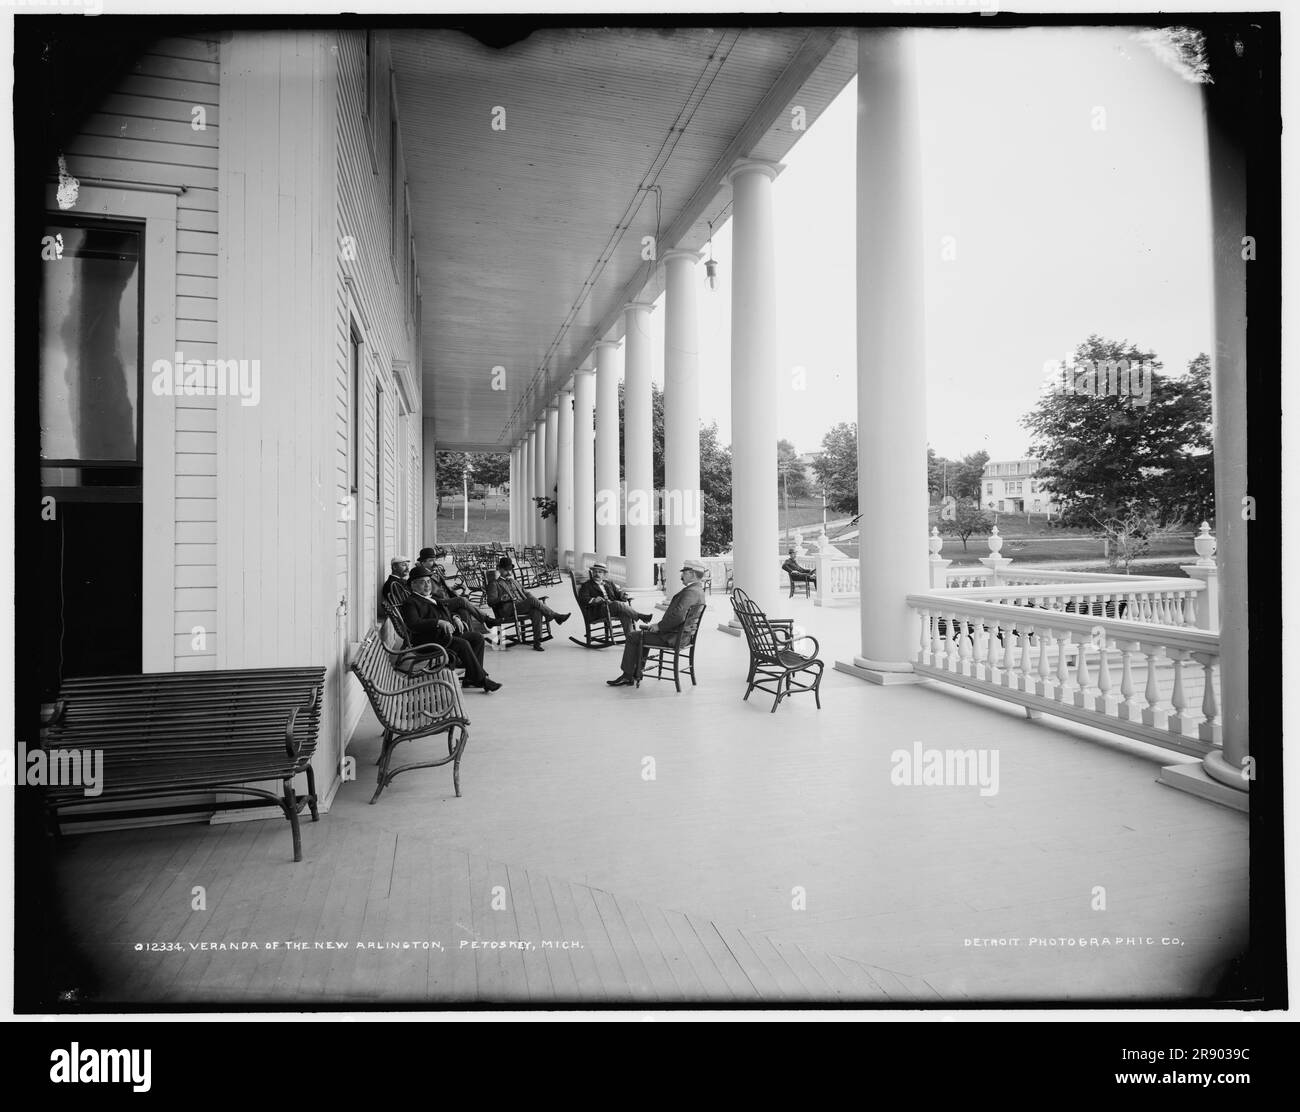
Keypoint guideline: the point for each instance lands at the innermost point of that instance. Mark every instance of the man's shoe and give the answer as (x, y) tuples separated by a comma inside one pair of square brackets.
[(560, 619), (622, 681), (490, 685), (538, 649)]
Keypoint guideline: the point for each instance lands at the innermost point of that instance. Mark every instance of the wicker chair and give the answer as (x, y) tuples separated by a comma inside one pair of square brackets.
[(771, 656)]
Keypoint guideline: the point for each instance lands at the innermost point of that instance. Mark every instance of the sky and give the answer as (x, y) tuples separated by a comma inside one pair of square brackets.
[(1065, 222)]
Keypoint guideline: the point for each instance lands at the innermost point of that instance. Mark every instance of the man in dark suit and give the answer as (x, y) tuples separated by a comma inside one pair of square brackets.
[(401, 568), (599, 596), (634, 649), (451, 602), (506, 597), (428, 621), (797, 572)]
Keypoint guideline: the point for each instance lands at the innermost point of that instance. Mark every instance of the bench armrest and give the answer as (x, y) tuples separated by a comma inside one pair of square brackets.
[(293, 745)]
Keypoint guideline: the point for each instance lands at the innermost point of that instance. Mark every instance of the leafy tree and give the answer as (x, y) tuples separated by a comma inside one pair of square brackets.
[(937, 469), (969, 475), (837, 467), (450, 467), (791, 477), (1129, 536), (490, 469), (965, 520), (1145, 450)]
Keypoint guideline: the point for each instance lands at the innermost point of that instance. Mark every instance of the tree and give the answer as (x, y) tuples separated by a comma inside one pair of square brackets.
[(968, 477), (791, 476), (1118, 437), (966, 520), (491, 469), (450, 467), (1129, 536), (837, 467)]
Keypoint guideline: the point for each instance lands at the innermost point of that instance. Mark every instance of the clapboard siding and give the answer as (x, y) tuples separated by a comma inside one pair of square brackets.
[(378, 287), (143, 132)]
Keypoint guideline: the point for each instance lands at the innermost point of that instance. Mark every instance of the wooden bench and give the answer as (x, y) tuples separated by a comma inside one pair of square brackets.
[(414, 695), (188, 734)]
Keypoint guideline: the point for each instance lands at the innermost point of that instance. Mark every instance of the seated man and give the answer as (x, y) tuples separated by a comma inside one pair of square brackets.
[(634, 649), (453, 603), (507, 598), (401, 568), (599, 596), (429, 623), (797, 573)]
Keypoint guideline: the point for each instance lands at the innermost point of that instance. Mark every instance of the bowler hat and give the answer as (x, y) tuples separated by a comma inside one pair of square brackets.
[(425, 553), (419, 572)]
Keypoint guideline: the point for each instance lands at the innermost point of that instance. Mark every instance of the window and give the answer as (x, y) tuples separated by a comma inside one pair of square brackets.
[(988, 488), (91, 359)]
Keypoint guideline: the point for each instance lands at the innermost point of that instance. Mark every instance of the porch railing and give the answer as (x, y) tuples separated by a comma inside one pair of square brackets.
[(1151, 682)]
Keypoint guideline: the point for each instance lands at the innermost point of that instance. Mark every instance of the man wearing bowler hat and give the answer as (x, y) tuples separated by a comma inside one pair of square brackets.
[(599, 596), (634, 649), (507, 598)]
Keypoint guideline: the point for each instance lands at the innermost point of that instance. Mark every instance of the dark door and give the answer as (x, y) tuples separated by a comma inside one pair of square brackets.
[(91, 375)]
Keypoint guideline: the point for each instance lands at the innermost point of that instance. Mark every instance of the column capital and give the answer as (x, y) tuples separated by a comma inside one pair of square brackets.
[(632, 306), (753, 166), (682, 253), (553, 406), (606, 344), (582, 371)]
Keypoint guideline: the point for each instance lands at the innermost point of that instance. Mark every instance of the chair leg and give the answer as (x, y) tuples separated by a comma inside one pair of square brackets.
[(311, 794), (291, 812)]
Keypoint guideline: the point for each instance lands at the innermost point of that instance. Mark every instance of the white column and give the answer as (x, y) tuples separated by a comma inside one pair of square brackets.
[(584, 462), (526, 451), (638, 460), (564, 477), (552, 476), (429, 470), (754, 386), (540, 489), (682, 499), (514, 486), (608, 502), (892, 490)]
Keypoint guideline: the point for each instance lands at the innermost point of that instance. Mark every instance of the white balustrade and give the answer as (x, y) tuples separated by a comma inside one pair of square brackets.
[(1069, 663)]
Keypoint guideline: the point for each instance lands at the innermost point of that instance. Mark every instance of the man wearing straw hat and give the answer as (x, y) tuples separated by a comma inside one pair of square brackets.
[(634, 649), (598, 595)]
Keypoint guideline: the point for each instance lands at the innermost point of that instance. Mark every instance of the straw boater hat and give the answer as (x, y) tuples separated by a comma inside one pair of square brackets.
[(697, 566), (595, 568)]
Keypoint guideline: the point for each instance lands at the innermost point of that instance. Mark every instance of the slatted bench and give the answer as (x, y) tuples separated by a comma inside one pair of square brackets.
[(414, 695), (188, 734)]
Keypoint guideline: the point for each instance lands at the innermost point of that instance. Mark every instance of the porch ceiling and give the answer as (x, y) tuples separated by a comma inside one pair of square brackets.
[(529, 238)]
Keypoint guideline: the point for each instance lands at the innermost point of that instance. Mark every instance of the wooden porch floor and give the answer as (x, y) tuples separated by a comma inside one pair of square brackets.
[(769, 859)]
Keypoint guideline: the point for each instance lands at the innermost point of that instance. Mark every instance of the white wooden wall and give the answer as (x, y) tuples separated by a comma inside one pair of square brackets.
[(143, 134)]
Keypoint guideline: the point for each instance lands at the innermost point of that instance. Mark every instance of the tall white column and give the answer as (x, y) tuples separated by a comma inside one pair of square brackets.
[(584, 462), (540, 489), (638, 460), (527, 451), (550, 461), (682, 499), (429, 475), (564, 477), (514, 488), (892, 490), (754, 384), (608, 501)]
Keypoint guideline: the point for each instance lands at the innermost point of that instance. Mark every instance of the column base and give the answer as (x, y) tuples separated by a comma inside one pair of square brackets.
[(884, 672), (732, 627), (1194, 780)]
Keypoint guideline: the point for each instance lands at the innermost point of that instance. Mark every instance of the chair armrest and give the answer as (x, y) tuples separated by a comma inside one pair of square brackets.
[(817, 648)]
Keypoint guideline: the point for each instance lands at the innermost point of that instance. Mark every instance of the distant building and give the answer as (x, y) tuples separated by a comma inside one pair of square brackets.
[(1009, 486)]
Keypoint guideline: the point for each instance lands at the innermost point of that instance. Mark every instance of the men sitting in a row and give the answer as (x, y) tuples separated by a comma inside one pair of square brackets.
[(599, 595), (454, 603), (508, 598), (428, 621)]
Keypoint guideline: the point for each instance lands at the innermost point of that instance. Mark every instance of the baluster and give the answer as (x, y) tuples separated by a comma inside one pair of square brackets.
[(1026, 679), (1103, 677), (1211, 729), (1178, 721), (1162, 607), (995, 648), (1009, 653), (1152, 714), (1044, 669), (936, 645), (950, 641), (1189, 609), (1128, 707), (1063, 645), (964, 639), (925, 637), (1082, 675), (981, 647)]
